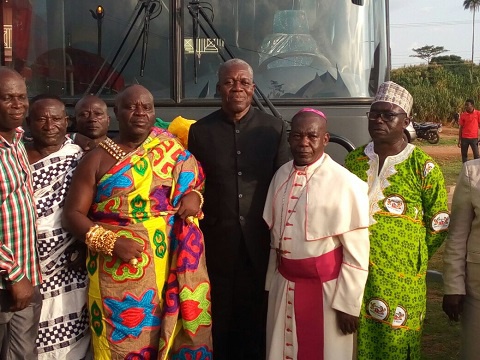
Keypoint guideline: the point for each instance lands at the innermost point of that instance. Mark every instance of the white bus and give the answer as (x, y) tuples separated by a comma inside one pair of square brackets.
[(328, 54)]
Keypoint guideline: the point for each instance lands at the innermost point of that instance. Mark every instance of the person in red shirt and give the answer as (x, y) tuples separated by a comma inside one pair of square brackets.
[(468, 130)]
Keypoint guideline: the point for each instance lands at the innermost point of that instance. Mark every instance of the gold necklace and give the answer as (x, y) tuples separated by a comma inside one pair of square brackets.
[(113, 149)]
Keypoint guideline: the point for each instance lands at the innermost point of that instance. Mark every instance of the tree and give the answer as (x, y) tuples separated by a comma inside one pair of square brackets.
[(447, 60), (452, 63), (428, 51), (473, 6)]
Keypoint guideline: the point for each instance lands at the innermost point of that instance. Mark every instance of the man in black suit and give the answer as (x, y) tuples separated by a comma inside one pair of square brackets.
[(240, 148)]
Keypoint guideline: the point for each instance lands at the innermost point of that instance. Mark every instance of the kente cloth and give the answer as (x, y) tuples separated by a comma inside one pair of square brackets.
[(63, 330), (161, 308), (312, 211), (409, 221)]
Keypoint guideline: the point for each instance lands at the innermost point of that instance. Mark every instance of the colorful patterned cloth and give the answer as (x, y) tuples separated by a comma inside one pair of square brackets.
[(162, 306), (409, 221), (63, 331)]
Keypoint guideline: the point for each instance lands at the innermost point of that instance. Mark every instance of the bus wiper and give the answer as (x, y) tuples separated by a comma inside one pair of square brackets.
[(146, 31), (195, 9), (148, 7)]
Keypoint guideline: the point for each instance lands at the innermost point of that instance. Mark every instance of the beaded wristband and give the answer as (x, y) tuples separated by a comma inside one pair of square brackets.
[(99, 239), (199, 214), (201, 198)]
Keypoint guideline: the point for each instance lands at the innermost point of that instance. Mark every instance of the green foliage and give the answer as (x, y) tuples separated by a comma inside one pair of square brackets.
[(428, 51), (439, 91)]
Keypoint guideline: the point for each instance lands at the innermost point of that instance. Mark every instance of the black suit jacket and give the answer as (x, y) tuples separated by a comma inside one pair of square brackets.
[(239, 160)]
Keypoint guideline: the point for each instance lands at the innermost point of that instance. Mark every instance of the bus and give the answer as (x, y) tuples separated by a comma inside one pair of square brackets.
[(327, 54)]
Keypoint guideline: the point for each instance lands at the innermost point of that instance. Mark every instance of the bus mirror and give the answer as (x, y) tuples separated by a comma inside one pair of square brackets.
[(358, 2)]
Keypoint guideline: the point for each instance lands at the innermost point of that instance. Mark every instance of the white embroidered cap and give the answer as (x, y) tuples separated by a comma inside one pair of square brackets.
[(395, 94)]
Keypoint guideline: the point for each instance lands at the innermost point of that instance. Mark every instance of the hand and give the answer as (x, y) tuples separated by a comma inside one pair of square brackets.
[(189, 205), (76, 254), (458, 144), (22, 294), (347, 323), (127, 249), (453, 306)]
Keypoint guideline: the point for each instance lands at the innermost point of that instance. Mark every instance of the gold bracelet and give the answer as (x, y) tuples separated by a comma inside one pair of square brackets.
[(201, 198), (99, 239)]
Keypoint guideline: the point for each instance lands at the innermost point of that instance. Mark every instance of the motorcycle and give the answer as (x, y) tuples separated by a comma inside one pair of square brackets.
[(428, 131)]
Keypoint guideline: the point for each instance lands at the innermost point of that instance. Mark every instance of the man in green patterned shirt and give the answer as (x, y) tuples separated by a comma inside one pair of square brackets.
[(408, 222)]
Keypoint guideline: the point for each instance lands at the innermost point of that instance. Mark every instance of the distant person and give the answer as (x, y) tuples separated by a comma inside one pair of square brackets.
[(133, 200), (456, 119), (468, 130), (63, 331), (408, 223), (461, 275), (318, 215), (240, 148), (91, 118), (20, 276)]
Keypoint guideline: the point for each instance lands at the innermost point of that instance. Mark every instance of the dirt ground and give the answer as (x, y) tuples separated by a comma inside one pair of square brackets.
[(447, 149)]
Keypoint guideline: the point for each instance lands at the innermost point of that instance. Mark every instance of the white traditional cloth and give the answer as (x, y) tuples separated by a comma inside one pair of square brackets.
[(63, 331), (313, 211)]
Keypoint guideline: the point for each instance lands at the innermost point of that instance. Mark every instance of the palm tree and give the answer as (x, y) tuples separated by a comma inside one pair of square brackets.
[(474, 6)]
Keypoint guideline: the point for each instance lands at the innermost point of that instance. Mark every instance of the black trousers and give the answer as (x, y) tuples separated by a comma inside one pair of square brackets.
[(473, 143), (19, 330), (239, 311)]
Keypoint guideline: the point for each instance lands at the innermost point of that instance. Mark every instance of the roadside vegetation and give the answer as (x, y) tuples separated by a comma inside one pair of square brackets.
[(440, 88)]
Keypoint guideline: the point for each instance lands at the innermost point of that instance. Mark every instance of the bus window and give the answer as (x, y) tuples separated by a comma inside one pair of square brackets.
[(297, 48), (56, 45)]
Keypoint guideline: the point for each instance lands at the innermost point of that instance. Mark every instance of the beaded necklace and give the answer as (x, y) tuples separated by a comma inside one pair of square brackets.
[(113, 149)]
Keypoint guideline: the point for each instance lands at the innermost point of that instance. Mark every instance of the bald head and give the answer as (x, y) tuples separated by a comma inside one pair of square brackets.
[(133, 91), (7, 72)]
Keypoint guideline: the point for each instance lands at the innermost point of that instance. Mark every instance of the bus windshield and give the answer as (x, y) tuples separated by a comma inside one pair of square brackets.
[(298, 49)]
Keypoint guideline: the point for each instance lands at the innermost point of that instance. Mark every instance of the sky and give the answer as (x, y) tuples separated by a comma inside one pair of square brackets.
[(416, 23)]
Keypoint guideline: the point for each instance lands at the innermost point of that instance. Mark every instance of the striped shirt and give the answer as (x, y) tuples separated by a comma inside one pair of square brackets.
[(18, 253)]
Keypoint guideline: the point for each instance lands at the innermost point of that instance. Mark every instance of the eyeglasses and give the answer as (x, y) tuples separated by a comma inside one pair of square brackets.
[(386, 116)]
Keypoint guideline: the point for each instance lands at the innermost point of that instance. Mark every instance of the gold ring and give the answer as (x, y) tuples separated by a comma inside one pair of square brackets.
[(133, 262), (189, 219)]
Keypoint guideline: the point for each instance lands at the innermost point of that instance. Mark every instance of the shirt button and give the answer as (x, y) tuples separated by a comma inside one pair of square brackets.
[(240, 196), (239, 173), (238, 152), (237, 131)]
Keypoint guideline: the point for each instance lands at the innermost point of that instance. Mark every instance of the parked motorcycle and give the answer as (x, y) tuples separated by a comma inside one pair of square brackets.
[(428, 131)]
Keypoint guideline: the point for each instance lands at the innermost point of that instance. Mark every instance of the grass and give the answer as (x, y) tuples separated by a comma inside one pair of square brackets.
[(441, 337), (451, 169)]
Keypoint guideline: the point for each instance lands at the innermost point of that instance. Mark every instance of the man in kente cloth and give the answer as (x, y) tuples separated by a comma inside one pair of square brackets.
[(134, 200)]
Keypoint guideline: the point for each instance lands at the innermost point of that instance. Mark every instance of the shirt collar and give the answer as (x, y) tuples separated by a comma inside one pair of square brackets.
[(244, 119), (16, 137), (312, 167)]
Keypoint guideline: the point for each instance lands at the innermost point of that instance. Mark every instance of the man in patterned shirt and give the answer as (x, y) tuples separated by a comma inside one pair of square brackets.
[(20, 299), (408, 222)]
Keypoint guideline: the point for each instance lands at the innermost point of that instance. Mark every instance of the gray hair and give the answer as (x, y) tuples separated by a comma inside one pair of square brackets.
[(233, 62)]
